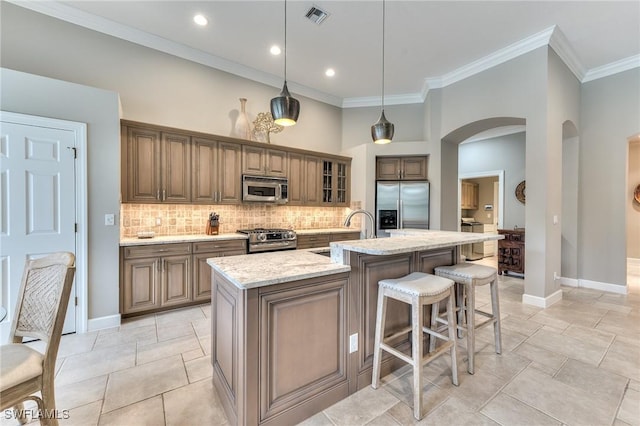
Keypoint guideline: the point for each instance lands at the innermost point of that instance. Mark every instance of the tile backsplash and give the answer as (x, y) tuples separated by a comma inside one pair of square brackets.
[(188, 219)]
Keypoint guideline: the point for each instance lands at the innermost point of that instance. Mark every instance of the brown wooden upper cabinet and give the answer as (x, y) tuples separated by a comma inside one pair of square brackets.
[(156, 165), (335, 183), (304, 179), (402, 168), (259, 161), (468, 195), (216, 172)]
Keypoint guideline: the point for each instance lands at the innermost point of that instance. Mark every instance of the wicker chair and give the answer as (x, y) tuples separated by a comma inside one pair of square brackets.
[(40, 312)]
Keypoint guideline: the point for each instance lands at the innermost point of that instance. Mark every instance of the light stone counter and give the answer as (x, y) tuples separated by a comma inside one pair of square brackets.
[(262, 269), (170, 239), (408, 240), (325, 231)]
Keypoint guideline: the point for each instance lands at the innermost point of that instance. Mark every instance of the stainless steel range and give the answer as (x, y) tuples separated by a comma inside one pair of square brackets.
[(261, 239)]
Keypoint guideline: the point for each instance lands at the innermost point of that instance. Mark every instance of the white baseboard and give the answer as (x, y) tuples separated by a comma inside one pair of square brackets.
[(569, 282), (595, 285), (101, 323), (542, 302)]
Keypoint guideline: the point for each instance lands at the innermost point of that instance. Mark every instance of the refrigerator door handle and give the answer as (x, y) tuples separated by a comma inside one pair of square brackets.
[(400, 223)]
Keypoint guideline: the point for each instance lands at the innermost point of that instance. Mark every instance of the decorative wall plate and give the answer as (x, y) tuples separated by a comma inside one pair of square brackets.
[(520, 192), (636, 194)]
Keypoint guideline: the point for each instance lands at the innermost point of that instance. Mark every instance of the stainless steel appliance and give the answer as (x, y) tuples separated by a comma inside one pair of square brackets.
[(401, 205), (472, 251), (265, 189), (261, 240)]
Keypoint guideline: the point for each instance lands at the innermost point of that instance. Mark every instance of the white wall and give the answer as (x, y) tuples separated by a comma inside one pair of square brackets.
[(610, 115), (34, 95)]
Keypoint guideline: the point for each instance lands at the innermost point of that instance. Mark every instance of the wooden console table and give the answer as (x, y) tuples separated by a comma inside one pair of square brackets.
[(511, 251)]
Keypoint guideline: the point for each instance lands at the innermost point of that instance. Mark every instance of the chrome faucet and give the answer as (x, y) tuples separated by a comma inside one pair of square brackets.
[(347, 221)]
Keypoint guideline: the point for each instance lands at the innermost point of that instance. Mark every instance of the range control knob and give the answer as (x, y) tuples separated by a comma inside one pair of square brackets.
[(289, 235), (261, 236)]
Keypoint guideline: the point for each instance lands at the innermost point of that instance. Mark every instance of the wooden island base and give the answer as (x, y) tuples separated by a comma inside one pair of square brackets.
[(281, 353)]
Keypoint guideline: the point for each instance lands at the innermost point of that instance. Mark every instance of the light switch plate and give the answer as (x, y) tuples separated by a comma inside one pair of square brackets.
[(109, 219)]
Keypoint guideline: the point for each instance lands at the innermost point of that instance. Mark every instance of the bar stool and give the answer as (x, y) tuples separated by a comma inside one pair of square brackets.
[(417, 289), (468, 276)]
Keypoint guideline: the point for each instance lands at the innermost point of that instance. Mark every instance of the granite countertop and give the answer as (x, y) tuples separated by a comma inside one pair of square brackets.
[(170, 239), (325, 231), (263, 269), (408, 240)]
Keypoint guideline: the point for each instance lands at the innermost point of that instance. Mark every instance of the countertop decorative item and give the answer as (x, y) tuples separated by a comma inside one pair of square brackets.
[(243, 127), (520, 192), (263, 126), (636, 194), (213, 224)]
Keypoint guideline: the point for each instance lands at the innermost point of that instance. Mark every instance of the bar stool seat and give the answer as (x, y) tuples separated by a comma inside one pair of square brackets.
[(468, 276), (417, 289)]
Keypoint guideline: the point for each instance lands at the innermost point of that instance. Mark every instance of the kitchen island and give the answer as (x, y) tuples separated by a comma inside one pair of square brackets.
[(293, 331)]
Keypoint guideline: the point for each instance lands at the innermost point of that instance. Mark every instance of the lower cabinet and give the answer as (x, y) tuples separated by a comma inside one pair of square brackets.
[(324, 238), (161, 276)]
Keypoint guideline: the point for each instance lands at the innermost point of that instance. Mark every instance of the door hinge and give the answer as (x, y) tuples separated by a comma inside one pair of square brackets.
[(75, 151), (75, 227), (76, 301)]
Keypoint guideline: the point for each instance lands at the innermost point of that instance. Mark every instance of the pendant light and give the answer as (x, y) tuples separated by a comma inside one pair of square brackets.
[(382, 131), (285, 108)]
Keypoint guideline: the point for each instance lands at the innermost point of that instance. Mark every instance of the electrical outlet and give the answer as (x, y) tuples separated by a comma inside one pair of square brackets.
[(109, 219), (158, 221), (353, 343), (556, 277)]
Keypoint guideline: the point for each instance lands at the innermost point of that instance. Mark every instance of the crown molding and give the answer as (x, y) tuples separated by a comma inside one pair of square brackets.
[(370, 101), (562, 47), (613, 68)]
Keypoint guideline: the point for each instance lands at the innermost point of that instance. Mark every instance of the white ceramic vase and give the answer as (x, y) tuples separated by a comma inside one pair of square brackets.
[(243, 126)]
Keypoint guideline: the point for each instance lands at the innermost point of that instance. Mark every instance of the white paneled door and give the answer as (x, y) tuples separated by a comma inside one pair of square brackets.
[(38, 211)]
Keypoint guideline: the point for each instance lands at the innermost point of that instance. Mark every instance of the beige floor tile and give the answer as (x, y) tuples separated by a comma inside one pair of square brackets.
[(623, 358), (149, 412), (172, 317), (402, 388), (520, 325), (85, 415), (629, 411), (599, 382), (173, 331), (98, 362), (570, 405), (319, 419), (475, 390), (81, 393), (541, 356), (206, 310), (194, 404), (505, 365), (141, 321), (205, 344), (145, 381), (456, 412), (510, 339), (506, 410), (361, 407), (164, 349), (74, 344), (568, 346), (199, 368), (196, 353), (142, 335), (590, 335), (202, 327), (384, 419)]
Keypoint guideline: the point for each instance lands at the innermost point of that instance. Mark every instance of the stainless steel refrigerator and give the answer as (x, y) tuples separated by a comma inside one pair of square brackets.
[(401, 205)]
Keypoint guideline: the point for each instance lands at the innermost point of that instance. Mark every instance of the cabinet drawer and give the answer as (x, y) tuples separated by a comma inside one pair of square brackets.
[(314, 240), (345, 236), (219, 245), (156, 250)]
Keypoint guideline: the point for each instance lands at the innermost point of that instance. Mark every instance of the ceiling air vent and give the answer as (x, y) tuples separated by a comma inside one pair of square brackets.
[(317, 15)]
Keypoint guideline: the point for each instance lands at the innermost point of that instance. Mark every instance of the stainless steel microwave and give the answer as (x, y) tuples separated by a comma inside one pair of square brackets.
[(266, 189)]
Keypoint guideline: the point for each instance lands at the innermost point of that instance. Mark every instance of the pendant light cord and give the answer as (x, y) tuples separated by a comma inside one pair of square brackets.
[(285, 41), (383, 25)]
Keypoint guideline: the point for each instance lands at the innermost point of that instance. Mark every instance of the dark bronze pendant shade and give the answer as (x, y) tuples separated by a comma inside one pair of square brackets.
[(285, 109), (382, 131)]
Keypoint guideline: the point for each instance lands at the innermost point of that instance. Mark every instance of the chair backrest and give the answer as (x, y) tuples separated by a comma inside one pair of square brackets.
[(43, 299)]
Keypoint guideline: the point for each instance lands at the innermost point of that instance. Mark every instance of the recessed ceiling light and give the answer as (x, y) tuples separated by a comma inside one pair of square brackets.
[(200, 20), (330, 72), (275, 50)]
